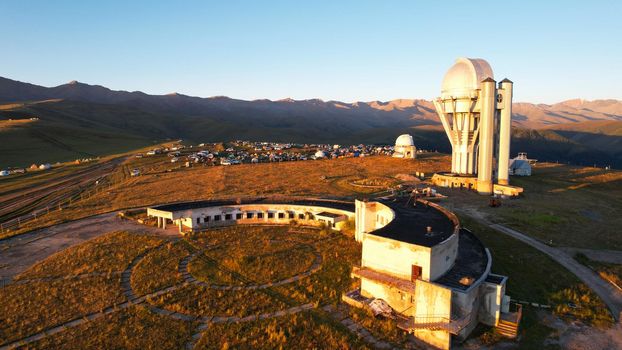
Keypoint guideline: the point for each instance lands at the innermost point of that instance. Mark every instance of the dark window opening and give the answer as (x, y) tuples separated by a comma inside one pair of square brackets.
[(238, 216), (416, 272), (259, 215), (270, 215), (281, 215), (301, 216), (216, 217), (228, 216), (249, 215), (291, 215)]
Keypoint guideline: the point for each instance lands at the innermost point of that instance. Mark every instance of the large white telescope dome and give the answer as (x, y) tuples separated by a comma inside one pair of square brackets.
[(463, 78), (404, 140)]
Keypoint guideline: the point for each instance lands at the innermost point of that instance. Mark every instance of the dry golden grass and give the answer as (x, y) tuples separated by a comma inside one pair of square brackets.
[(381, 328), (333, 279), (32, 307), (580, 302), (134, 328), (199, 300), (158, 269), (257, 257), (324, 178), (108, 253), (306, 330)]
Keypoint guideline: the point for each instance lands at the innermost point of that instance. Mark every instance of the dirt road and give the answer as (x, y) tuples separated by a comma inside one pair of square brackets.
[(608, 293), (20, 252)]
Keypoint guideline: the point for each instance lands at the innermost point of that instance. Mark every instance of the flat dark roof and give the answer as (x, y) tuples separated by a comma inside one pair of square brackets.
[(340, 205), (411, 223), (471, 262)]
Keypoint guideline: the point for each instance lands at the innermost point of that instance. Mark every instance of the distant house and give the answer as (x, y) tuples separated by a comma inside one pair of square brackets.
[(45, 166), (520, 166), (4, 173)]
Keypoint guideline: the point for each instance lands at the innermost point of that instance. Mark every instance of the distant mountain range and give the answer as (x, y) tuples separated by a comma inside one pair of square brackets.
[(80, 119)]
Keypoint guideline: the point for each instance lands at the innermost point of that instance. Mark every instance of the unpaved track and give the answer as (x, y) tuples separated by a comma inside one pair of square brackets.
[(606, 256), (20, 252), (607, 292)]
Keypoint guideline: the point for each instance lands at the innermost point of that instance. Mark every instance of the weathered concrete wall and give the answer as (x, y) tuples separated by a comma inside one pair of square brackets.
[(433, 302), (443, 256), (194, 219), (466, 304), (371, 216), (395, 258), (492, 296), (400, 301), (159, 213)]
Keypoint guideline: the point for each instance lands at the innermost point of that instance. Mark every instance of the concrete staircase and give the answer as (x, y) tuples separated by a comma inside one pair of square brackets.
[(509, 321), (507, 329)]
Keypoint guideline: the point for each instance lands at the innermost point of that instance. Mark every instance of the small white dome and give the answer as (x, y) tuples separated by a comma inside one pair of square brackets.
[(404, 140), (320, 154), (464, 77)]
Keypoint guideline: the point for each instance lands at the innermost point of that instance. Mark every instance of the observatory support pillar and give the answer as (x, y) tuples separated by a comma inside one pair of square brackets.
[(504, 132), (486, 136)]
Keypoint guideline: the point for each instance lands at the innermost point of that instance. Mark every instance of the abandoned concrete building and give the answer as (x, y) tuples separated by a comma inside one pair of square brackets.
[(434, 274)]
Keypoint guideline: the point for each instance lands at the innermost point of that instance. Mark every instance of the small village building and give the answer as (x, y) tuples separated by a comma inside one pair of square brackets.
[(405, 147), (520, 166)]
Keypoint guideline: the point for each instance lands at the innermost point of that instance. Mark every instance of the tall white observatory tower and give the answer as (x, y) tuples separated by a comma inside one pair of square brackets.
[(472, 107)]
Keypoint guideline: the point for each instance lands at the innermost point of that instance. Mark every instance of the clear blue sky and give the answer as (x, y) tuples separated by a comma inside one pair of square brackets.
[(343, 50)]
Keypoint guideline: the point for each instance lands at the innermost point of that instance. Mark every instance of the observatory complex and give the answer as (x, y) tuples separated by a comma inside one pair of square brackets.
[(476, 114), (435, 276), (431, 274)]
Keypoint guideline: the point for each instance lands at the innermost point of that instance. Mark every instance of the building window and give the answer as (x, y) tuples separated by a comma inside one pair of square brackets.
[(238, 216), (270, 215), (416, 272), (301, 216), (198, 220), (259, 215), (249, 215), (216, 217), (281, 215), (291, 215), (311, 217), (206, 219), (228, 216)]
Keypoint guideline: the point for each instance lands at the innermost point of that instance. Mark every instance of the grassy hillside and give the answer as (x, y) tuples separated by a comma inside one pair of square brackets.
[(66, 130)]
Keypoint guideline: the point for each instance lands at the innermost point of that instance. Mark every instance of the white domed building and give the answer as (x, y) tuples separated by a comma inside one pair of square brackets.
[(405, 147), (476, 113), (320, 154)]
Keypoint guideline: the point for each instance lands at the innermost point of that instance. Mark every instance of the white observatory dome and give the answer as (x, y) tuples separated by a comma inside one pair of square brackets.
[(404, 140), (463, 78)]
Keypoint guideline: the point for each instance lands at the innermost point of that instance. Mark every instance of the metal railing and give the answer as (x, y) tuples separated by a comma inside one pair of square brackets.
[(437, 322)]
